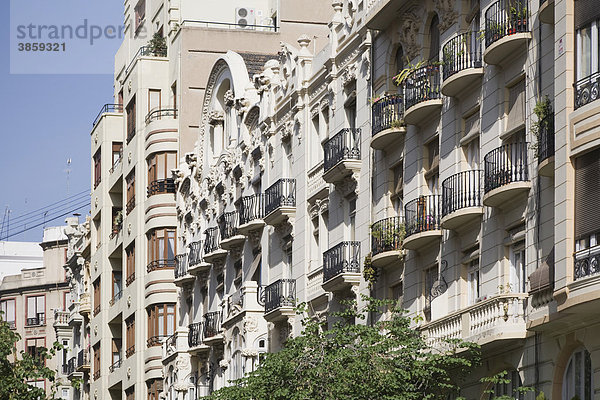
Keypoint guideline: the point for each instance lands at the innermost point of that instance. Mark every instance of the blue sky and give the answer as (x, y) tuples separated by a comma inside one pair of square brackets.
[(47, 120)]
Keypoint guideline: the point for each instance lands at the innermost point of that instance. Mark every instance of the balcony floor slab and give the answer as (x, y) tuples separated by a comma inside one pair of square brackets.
[(232, 242), (461, 217), (387, 138), (280, 214), (250, 226), (388, 259), (340, 170), (506, 47), (503, 194), (546, 167), (421, 239), (419, 112), (280, 314), (341, 282), (456, 83)]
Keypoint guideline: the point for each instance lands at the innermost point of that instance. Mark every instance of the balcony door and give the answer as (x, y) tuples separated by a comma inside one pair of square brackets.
[(153, 100), (518, 271)]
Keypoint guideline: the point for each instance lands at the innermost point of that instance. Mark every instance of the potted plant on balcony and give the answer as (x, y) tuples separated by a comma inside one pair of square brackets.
[(117, 222), (389, 238), (543, 112), (370, 272), (518, 17), (158, 45)]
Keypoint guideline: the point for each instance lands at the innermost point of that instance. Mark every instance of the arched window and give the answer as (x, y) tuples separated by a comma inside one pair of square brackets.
[(399, 59), (577, 382), (434, 39), (508, 386)]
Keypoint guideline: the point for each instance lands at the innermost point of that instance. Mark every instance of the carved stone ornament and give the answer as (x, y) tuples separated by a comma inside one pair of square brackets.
[(409, 32), (448, 16), (216, 117), (254, 237), (180, 387), (250, 324), (348, 185), (236, 252), (249, 353), (224, 364), (229, 98), (349, 74)]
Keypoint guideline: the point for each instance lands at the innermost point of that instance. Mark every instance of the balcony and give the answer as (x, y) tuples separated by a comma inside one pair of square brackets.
[(422, 95), (130, 351), (39, 319), (196, 263), (230, 235), (212, 328), (545, 147), (461, 199), (587, 90), (506, 174), (587, 263), (422, 222), (130, 279), (388, 122), (506, 30), (116, 297), (463, 67), (115, 365), (85, 305), (316, 187), (341, 267), (501, 317), (546, 11), (280, 201), (130, 205), (144, 51), (212, 249), (342, 155), (71, 366), (158, 114), (161, 186), (280, 300), (61, 319), (156, 265), (108, 109), (386, 242), (252, 212), (83, 360), (182, 275)]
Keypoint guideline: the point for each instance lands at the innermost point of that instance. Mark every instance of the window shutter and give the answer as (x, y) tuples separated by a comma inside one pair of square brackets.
[(587, 194), (516, 106), (585, 12)]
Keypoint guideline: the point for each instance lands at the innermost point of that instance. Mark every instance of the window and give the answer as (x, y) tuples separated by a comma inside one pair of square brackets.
[(96, 361), (155, 387), (430, 278), (587, 198), (471, 150), (67, 300), (316, 151), (586, 31), (97, 297), (116, 351), (41, 384), (130, 192), (433, 154), (117, 284), (130, 336), (130, 111), (36, 310), (161, 323), (434, 39), (397, 294), (399, 60), (577, 382), (325, 124), (64, 355), (350, 110), (516, 106), (474, 282), (159, 173), (161, 249), (352, 219), (130, 393), (139, 14), (518, 270), (398, 189), (153, 100), (130, 255), (98, 225), (97, 168), (9, 313), (508, 388), (117, 153), (34, 346)]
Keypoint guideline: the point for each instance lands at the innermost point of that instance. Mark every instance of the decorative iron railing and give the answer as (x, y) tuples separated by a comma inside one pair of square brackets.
[(195, 334), (587, 262), (462, 52), (587, 90), (211, 240), (130, 279), (461, 190), (506, 164), (161, 113), (281, 194), (108, 108), (387, 235), (422, 85), (39, 319), (181, 265), (422, 214), (252, 208), (83, 358), (71, 365), (167, 263), (545, 148), (117, 296), (116, 365), (388, 112), (228, 224), (195, 256), (161, 186), (344, 145), (212, 324), (342, 258), (281, 293), (504, 18), (145, 51), (156, 340), (130, 205)]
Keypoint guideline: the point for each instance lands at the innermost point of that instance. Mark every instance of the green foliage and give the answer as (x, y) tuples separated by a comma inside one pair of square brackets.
[(370, 272), (158, 45), (354, 361), (544, 114), (17, 369), (501, 378), (406, 72)]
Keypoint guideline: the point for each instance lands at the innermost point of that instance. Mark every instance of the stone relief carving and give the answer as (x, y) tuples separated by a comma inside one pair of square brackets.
[(250, 324), (229, 98), (216, 117), (448, 16), (409, 32), (348, 185), (349, 74)]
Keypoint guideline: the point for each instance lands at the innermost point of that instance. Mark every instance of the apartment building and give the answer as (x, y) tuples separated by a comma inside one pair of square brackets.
[(159, 90), (72, 323), (14, 256), (469, 193), (32, 301)]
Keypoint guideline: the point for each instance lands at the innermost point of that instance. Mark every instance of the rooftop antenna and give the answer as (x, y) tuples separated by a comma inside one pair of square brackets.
[(4, 220), (68, 171)]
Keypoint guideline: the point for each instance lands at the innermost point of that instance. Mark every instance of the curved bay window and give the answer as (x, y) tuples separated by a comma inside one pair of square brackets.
[(587, 57), (159, 173), (155, 387), (161, 249), (577, 382), (161, 323)]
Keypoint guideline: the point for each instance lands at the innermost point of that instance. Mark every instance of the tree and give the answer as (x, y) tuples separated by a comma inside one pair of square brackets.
[(18, 369), (354, 361), (158, 45)]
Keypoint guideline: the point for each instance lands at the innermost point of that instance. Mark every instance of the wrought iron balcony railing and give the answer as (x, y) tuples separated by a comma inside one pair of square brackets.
[(345, 145), (422, 214), (212, 324), (344, 257), (506, 164), (587, 262), (130, 205), (504, 18), (161, 186), (117, 296), (195, 256), (281, 194), (130, 279), (587, 89), (156, 340), (387, 235), (281, 293), (545, 148), (108, 108), (181, 265), (83, 358), (130, 351), (422, 85), (211, 240), (145, 51), (161, 264), (252, 208), (461, 190), (388, 112), (39, 319), (116, 365), (195, 334), (71, 365), (462, 52), (228, 224), (161, 113)]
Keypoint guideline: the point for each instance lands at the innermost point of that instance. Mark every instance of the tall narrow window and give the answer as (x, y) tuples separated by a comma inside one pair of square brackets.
[(96, 362), (9, 314), (161, 323), (155, 387), (116, 351), (153, 100), (159, 173), (130, 192), (352, 219), (130, 254), (34, 346), (434, 39), (130, 393), (97, 168), (398, 188), (577, 382), (399, 60), (587, 217), (316, 151), (117, 280), (97, 297), (131, 122), (161, 249), (431, 275), (473, 280), (139, 14), (174, 94), (36, 310), (516, 106), (117, 152), (518, 272), (130, 336)]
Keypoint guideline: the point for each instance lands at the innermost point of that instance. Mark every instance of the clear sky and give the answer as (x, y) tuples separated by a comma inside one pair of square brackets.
[(46, 120)]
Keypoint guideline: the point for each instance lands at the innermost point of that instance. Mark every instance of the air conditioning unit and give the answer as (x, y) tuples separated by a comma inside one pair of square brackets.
[(245, 18)]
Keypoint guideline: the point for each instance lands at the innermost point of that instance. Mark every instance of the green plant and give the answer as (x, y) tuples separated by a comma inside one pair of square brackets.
[(544, 114), (501, 378), (158, 45), (370, 272), (390, 235), (518, 11), (406, 72), (398, 123)]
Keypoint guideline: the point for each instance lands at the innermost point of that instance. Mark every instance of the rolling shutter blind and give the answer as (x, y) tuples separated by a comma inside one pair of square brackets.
[(585, 12), (516, 106), (587, 194)]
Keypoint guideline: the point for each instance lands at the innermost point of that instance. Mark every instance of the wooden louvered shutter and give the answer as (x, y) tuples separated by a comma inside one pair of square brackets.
[(585, 12), (587, 194)]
